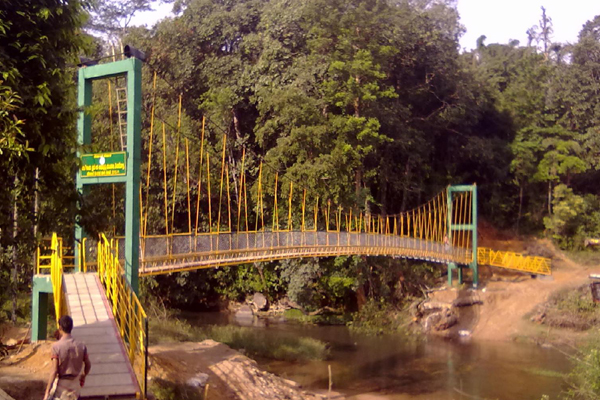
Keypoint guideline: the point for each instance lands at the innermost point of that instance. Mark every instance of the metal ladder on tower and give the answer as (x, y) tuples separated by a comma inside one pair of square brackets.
[(121, 88)]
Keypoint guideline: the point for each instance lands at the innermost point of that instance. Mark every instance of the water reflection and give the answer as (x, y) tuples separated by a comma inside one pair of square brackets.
[(396, 367)]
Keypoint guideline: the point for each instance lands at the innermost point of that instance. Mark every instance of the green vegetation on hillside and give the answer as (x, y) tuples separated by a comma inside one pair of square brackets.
[(367, 103)]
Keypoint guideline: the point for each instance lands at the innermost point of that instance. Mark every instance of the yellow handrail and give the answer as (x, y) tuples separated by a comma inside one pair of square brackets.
[(129, 315), (45, 252), (56, 276)]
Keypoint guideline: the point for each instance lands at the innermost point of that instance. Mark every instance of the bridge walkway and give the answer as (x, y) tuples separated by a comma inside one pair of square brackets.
[(111, 376)]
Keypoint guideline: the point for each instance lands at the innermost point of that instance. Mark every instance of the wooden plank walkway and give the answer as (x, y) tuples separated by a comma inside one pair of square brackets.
[(111, 375)]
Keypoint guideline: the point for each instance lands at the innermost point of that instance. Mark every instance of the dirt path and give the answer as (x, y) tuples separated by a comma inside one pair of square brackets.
[(508, 304)]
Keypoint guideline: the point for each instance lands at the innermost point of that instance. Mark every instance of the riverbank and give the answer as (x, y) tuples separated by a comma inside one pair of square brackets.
[(508, 309), (177, 371)]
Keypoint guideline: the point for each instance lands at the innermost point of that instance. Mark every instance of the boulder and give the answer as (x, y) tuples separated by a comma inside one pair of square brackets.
[(198, 381), (245, 312), (466, 301), (260, 301), (434, 305)]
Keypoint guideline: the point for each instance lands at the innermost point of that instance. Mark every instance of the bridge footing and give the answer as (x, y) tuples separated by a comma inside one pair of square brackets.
[(42, 287), (459, 272)]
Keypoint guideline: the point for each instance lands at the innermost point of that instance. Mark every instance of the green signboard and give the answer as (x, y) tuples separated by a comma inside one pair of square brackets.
[(103, 164)]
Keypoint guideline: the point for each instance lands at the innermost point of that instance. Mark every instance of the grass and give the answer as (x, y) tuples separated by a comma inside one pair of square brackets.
[(584, 380), (572, 308), (297, 316), (252, 341), (544, 372), (585, 257), (378, 318)]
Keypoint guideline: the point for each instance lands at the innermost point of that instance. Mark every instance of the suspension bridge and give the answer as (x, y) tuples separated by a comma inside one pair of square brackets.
[(195, 206)]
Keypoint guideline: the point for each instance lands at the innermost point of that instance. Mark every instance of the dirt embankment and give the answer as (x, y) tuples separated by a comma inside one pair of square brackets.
[(501, 309), (506, 301), (228, 374)]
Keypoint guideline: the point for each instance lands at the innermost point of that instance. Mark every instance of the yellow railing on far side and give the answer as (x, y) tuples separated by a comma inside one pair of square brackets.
[(128, 312), (516, 261)]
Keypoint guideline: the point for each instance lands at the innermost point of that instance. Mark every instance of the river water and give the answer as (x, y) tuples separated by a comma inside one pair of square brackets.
[(398, 368)]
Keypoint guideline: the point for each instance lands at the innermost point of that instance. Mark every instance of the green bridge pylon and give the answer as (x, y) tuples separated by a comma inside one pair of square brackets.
[(471, 228)]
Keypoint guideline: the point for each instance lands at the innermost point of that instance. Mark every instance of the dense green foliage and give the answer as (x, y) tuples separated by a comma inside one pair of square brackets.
[(39, 45), (367, 103)]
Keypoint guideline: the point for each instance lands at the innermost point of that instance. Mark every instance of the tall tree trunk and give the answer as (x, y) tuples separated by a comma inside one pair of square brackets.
[(406, 180), (358, 181), (15, 271), (35, 213)]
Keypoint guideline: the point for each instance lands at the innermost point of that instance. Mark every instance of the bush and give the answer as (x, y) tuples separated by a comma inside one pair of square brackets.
[(380, 318), (326, 318), (572, 308), (574, 218), (585, 377)]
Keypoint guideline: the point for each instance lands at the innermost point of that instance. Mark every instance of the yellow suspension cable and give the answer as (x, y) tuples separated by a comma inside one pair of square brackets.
[(112, 138), (316, 213), (245, 186), (228, 197), (459, 217), (221, 184), (275, 209), (303, 210), (187, 168), (349, 223), (209, 196), (176, 166), (360, 223), (290, 206), (470, 212), (200, 175), (165, 178), (327, 215), (261, 192), (145, 220), (446, 215), (242, 174)]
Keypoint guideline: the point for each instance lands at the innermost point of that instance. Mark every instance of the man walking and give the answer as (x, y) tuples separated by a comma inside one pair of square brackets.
[(68, 359)]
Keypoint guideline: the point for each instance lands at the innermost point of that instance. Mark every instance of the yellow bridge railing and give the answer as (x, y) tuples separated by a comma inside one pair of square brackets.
[(46, 251), (516, 261), (56, 276), (129, 314)]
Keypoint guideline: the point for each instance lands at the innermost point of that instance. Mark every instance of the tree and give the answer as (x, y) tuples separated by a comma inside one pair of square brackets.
[(39, 45), (111, 18)]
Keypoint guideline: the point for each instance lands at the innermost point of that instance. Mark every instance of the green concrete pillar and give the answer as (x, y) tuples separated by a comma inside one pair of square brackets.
[(132, 69), (42, 286), (460, 275), (474, 266), (451, 266), (469, 227)]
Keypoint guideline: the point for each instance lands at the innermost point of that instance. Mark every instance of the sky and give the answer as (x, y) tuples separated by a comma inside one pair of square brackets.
[(502, 20), (498, 20)]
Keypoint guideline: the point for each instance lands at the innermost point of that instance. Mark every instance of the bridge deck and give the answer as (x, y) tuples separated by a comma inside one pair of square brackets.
[(111, 375)]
